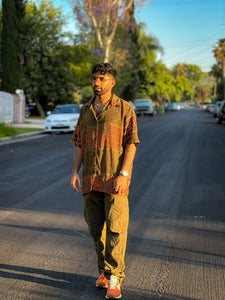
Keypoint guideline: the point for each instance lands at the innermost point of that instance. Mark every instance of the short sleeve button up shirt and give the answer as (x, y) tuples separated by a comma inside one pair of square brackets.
[(102, 141)]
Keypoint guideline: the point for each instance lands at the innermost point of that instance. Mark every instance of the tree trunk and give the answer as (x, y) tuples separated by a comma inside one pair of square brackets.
[(39, 108), (106, 56)]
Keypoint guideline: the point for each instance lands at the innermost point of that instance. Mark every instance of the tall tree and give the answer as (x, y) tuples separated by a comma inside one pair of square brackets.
[(103, 17), (47, 76), (12, 18), (178, 70), (188, 80), (217, 73), (131, 88), (147, 68), (193, 73), (1, 45), (219, 53)]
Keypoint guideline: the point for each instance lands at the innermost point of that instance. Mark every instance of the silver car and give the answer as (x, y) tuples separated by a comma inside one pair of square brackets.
[(144, 107)]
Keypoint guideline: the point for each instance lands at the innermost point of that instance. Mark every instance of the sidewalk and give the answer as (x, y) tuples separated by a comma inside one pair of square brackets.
[(28, 123), (31, 123)]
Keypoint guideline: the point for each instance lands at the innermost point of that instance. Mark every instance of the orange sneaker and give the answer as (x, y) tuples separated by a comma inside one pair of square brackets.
[(113, 291), (102, 281)]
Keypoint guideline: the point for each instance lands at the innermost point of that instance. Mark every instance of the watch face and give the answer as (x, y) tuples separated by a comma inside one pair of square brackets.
[(124, 173)]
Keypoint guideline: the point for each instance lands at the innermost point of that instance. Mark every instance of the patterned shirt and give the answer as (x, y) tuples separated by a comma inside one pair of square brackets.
[(102, 141)]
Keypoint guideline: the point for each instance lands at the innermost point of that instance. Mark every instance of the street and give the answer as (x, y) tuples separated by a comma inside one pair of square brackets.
[(176, 238)]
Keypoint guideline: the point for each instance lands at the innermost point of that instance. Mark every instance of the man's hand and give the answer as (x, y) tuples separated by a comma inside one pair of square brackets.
[(120, 184), (75, 183), (75, 179)]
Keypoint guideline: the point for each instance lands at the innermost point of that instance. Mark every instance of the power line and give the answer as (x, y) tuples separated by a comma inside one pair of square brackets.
[(183, 2)]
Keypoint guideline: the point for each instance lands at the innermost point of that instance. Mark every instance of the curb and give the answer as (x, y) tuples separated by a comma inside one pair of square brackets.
[(15, 138)]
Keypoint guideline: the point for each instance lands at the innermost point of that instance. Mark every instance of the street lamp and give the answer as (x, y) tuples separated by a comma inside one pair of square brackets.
[(21, 95)]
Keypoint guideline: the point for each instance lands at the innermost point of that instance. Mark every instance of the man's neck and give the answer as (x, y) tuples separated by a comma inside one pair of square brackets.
[(101, 99)]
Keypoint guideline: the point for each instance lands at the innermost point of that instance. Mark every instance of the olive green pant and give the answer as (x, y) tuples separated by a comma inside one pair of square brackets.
[(107, 217)]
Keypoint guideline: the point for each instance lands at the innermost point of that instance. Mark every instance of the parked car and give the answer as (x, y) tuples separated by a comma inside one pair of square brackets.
[(173, 106), (196, 105), (63, 118), (221, 113), (144, 107), (27, 112), (132, 104), (209, 107), (216, 108), (184, 105)]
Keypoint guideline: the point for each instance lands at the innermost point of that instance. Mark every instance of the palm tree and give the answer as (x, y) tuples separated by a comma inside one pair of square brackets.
[(219, 53), (217, 73)]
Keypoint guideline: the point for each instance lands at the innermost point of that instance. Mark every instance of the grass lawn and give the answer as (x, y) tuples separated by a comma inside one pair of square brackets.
[(13, 131)]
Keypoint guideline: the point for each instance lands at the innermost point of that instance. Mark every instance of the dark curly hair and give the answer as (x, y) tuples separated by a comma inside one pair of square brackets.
[(104, 68)]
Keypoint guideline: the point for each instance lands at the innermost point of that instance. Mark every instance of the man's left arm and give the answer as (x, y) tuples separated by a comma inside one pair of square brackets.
[(121, 182)]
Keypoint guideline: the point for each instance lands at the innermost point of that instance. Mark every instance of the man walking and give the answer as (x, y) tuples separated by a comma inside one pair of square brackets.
[(105, 140)]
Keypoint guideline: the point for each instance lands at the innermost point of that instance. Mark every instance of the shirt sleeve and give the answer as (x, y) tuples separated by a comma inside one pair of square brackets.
[(76, 140), (130, 128)]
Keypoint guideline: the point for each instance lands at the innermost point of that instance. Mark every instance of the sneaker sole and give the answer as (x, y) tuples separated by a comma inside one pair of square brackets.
[(118, 297), (101, 286)]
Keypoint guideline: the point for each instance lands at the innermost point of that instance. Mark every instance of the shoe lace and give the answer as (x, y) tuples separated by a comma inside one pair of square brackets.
[(113, 282)]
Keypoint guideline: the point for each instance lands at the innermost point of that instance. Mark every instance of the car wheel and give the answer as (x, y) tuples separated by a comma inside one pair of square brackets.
[(218, 120)]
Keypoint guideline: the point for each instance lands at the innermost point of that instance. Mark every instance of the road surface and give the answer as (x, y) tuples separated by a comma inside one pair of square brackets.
[(176, 240)]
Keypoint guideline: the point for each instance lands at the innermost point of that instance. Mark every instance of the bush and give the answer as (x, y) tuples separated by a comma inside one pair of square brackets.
[(158, 109)]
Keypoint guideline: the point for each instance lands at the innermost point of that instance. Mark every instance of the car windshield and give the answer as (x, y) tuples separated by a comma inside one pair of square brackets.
[(66, 110), (142, 103)]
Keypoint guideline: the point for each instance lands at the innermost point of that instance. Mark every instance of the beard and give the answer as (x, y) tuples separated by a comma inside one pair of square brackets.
[(98, 91)]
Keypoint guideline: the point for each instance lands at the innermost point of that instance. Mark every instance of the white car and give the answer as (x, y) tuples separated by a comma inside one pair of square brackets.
[(63, 118), (132, 104), (144, 107)]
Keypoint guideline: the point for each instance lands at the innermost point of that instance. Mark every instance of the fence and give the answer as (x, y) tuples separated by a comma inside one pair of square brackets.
[(11, 108)]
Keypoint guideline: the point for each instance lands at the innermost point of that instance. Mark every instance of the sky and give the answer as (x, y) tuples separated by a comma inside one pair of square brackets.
[(187, 30)]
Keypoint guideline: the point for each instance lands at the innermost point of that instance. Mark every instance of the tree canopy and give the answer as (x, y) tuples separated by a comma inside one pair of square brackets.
[(13, 12), (52, 71), (104, 17)]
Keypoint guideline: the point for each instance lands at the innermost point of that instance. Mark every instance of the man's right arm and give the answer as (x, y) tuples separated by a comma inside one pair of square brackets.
[(75, 179)]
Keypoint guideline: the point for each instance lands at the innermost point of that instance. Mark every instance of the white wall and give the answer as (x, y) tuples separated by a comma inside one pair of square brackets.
[(6, 107)]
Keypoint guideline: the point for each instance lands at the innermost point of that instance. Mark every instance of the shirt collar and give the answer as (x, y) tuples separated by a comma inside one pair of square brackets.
[(113, 102)]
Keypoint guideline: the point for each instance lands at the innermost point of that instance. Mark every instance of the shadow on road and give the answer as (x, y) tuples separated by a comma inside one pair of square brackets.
[(74, 284), (67, 232), (51, 278), (161, 250)]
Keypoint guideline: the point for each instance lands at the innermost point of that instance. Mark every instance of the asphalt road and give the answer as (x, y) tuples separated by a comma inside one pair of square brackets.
[(176, 240)]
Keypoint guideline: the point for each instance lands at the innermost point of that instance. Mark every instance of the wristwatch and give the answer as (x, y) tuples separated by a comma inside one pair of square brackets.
[(124, 173)]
